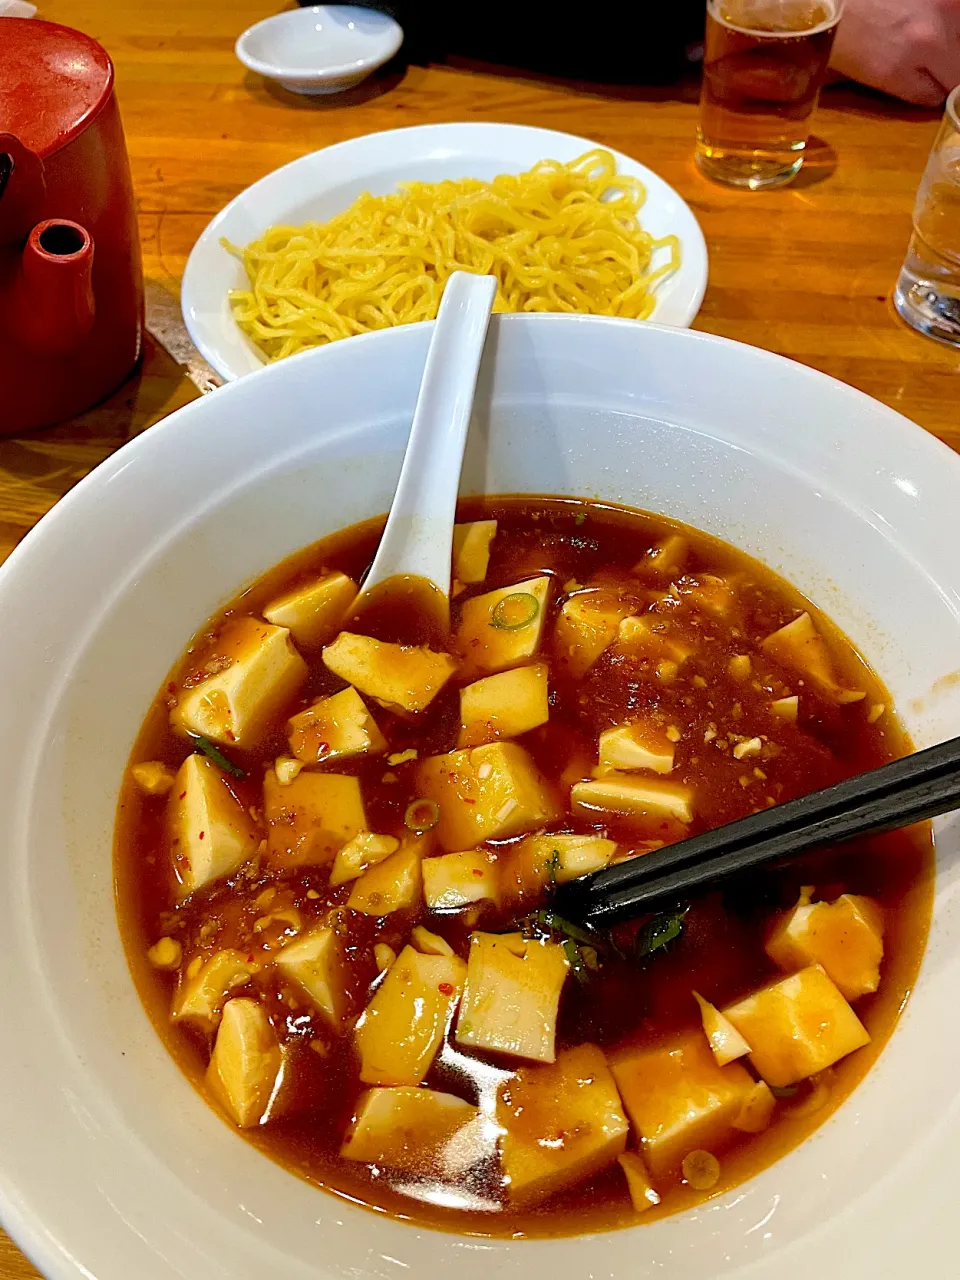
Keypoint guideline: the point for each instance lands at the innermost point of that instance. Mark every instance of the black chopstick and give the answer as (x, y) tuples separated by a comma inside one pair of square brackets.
[(908, 790)]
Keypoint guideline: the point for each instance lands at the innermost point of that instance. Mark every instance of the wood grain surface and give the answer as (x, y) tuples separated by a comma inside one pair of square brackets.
[(806, 271)]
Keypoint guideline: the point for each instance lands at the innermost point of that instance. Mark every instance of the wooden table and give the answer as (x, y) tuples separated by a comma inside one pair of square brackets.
[(806, 271)]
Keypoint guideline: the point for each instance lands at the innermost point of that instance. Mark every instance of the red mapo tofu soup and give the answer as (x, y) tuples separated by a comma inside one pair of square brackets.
[(336, 856)]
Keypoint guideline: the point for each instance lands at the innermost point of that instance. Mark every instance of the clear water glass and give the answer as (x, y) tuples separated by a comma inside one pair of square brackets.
[(927, 295)]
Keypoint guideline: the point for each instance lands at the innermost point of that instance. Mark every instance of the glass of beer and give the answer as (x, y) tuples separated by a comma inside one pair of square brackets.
[(763, 65), (928, 291)]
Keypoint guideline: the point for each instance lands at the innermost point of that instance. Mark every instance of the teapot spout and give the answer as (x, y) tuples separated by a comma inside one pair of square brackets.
[(54, 304)]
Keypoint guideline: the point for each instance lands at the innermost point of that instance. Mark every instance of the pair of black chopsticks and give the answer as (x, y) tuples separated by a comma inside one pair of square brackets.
[(909, 790)]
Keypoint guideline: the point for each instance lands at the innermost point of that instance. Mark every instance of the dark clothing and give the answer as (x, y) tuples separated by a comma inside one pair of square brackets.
[(639, 42)]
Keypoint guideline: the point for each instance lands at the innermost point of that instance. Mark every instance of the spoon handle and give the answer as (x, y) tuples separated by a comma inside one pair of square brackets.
[(418, 537)]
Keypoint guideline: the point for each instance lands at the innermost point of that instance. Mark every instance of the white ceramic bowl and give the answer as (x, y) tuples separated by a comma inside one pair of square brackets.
[(325, 48), (318, 185), (110, 1165)]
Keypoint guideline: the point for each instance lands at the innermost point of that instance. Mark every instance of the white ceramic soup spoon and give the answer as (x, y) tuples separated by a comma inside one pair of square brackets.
[(417, 542)]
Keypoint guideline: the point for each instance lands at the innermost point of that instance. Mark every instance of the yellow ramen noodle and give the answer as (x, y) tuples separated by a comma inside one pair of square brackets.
[(561, 237)]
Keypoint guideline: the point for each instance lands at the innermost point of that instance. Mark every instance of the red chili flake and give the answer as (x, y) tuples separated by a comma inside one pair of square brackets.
[(322, 748), (202, 834), (477, 871), (445, 989), (467, 800), (183, 795)]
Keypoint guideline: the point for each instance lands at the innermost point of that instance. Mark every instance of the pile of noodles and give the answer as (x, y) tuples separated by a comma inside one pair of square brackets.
[(561, 237)]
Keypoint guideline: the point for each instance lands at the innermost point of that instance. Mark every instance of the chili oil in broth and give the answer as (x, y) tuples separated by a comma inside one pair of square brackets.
[(720, 951)]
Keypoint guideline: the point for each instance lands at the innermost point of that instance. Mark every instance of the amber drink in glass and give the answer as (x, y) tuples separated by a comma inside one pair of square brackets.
[(764, 62)]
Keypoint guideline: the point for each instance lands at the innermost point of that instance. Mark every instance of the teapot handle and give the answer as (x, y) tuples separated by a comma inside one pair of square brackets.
[(22, 189)]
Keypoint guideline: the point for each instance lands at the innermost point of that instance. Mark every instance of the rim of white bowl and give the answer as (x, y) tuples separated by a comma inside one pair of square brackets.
[(273, 70), (21, 1219)]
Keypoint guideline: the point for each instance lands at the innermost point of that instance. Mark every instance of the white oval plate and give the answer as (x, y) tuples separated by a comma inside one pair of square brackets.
[(326, 182), (111, 1166)]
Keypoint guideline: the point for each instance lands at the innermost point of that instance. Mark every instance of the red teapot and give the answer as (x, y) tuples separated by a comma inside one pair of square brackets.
[(71, 287)]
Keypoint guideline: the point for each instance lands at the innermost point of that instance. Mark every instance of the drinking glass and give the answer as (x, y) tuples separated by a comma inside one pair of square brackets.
[(928, 291), (763, 65)]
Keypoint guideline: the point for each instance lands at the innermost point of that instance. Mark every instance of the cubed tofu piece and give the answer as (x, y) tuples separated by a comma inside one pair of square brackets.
[(786, 708), (313, 611), (845, 937), (643, 1194), (666, 560), (653, 637), (527, 868), (503, 628), (510, 1003), (487, 793), (638, 744), (200, 999), (710, 594), (587, 625), (431, 944), (153, 777), (800, 646), (757, 1110), (456, 880), (255, 672), (632, 798), (504, 705), (310, 818), (402, 1027), (418, 1132), (245, 1065), (471, 550), (678, 1099), (726, 1042), (404, 678), (316, 963), (211, 834), (797, 1027), (561, 1123), (392, 885), (335, 728), (359, 854)]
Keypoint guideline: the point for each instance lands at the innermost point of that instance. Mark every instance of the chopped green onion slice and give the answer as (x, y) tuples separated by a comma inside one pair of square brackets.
[(574, 959), (550, 920), (660, 932), (211, 750), (514, 611), (421, 815)]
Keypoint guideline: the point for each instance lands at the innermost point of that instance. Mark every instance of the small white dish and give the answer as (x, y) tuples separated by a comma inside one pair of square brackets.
[(325, 48), (325, 182)]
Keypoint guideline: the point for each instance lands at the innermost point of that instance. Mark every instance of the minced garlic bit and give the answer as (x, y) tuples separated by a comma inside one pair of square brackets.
[(743, 750), (153, 777), (286, 769), (401, 757), (673, 733), (166, 954), (701, 1170), (505, 809), (485, 770), (312, 895), (389, 777), (875, 712), (699, 682)]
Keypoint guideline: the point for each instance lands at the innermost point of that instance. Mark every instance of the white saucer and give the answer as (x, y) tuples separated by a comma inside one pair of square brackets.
[(323, 49)]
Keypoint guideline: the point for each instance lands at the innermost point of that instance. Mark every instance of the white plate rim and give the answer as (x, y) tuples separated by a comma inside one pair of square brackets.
[(203, 288)]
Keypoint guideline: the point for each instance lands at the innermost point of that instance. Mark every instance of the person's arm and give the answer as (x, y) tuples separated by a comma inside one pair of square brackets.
[(908, 48)]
